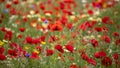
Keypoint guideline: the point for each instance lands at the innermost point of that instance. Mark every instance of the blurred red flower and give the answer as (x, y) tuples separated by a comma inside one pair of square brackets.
[(84, 56), (2, 50), (22, 29), (99, 54), (36, 41), (92, 61), (105, 19), (56, 27), (2, 57), (53, 39), (13, 45), (69, 48), (13, 11), (98, 29), (16, 2), (69, 25), (116, 56), (59, 48), (42, 7), (12, 53), (8, 35), (117, 42), (69, 1), (49, 52), (106, 38), (88, 59), (90, 12), (39, 48), (85, 25), (106, 61), (34, 55), (8, 5), (62, 5), (74, 66), (116, 34), (42, 38), (29, 40), (94, 42)]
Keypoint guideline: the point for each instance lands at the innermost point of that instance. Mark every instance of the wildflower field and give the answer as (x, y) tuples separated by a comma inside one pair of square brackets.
[(59, 33)]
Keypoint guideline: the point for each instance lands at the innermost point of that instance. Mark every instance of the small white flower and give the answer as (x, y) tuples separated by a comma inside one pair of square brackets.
[(48, 14), (32, 12)]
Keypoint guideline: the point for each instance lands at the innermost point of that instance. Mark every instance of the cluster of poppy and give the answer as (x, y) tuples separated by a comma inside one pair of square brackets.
[(64, 28)]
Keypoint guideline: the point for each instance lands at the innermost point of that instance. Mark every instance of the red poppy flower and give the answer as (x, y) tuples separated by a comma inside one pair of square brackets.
[(85, 25), (29, 40), (39, 48), (53, 39), (117, 62), (69, 1), (56, 27), (105, 19), (42, 7), (106, 38), (25, 19), (19, 36), (8, 35), (36, 41), (34, 55), (69, 48), (2, 50), (69, 25), (64, 19), (115, 56), (22, 29), (65, 11), (105, 29), (99, 54), (13, 11), (91, 61), (98, 29), (3, 29), (93, 23), (94, 42), (36, 11), (13, 45), (106, 61), (2, 57), (116, 34), (90, 12), (84, 56), (95, 4), (59, 48), (16, 2), (12, 53), (117, 42), (43, 38), (62, 5), (49, 52), (8, 5)]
